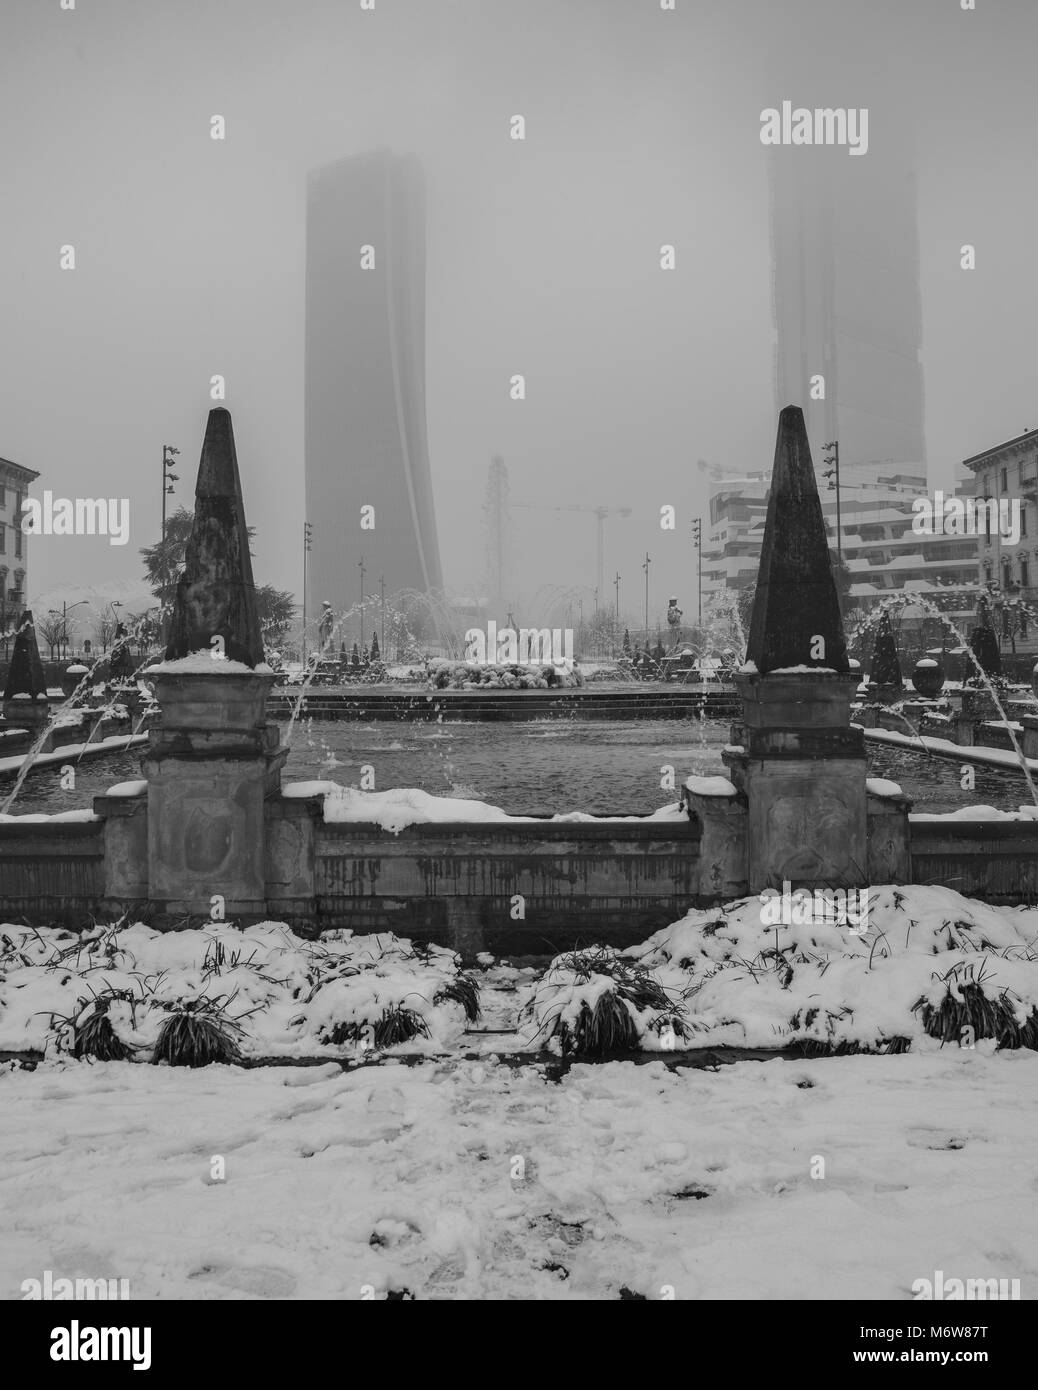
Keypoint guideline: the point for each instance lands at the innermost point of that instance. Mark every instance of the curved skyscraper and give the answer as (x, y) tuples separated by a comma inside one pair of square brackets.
[(365, 381)]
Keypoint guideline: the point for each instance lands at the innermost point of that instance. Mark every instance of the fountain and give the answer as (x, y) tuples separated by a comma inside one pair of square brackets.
[(211, 831)]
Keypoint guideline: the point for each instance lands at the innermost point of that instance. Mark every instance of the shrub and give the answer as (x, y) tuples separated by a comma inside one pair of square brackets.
[(596, 1002), (197, 1033), (462, 990)]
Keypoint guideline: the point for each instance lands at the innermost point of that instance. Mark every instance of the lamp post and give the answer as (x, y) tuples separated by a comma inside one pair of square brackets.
[(308, 541), (168, 479), (66, 609), (697, 542), (382, 604), (645, 567), (832, 472), (360, 566), (616, 586)]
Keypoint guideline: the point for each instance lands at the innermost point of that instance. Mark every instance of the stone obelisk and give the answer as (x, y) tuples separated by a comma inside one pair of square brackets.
[(801, 765), (214, 759), (25, 692)]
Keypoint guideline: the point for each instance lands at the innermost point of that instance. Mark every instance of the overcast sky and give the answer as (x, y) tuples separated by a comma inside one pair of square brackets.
[(642, 128)]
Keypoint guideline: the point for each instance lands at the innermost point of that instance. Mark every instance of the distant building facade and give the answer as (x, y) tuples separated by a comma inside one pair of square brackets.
[(366, 443), (14, 544), (1008, 473), (884, 555)]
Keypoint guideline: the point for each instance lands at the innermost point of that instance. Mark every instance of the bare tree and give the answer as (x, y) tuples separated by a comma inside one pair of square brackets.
[(104, 626), (51, 629)]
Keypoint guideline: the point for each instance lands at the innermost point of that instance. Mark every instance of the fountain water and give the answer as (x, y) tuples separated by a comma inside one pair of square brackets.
[(896, 602)]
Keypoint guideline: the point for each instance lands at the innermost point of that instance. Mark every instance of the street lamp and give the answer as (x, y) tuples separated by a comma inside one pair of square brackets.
[(697, 542), (308, 545), (168, 479), (832, 472), (66, 609), (645, 567), (360, 565)]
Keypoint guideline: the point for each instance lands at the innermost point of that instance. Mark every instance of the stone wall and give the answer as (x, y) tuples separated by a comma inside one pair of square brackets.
[(590, 881)]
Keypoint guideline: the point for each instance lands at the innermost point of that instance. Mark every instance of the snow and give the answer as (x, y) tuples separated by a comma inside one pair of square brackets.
[(69, 752), (945, 748), (204, 663), (343, 1185), (882, 786), (461, 1177), (710, 786), (67, 816), (749, 668), (802, 670), (287, 992), (925, 662), (394, 810), (972, 813), (136, 788)]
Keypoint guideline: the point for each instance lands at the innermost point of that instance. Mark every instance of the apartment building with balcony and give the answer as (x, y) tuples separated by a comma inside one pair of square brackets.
[(1008, 472), (14, 544)]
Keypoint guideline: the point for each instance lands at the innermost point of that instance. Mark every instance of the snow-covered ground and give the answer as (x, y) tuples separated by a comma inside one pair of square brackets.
[(453, 1168), (463, 1180)]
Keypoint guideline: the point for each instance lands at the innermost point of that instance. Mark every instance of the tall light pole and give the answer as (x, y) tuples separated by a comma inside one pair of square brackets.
[(168, 479), (645, 567), (66, 609), (382, 601), (360, 566), (308, 543), (832, 472), (697, 541), (616, 586)]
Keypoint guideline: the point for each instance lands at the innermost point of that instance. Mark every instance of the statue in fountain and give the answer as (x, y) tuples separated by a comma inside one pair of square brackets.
[(984, 640), (120, 665), (885, 680), (674, 616), (326, 624)]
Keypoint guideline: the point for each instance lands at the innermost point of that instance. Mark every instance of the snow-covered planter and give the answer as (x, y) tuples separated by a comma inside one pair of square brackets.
[(880, 987), (461, 675), (222, 994), (593, 1003), (400, 994)]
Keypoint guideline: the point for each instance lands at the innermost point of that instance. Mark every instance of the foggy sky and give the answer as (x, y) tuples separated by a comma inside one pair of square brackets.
[(642, 128)]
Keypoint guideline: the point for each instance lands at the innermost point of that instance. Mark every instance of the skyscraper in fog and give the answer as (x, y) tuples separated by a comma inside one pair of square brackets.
[(846, 299), (365, 381)]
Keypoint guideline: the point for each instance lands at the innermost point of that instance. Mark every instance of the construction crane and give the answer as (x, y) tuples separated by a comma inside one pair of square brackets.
[(600, 512)]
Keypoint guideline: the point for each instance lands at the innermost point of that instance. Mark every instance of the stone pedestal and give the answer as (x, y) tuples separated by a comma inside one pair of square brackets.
[(889, 855), (27, 712), (802, 772), (212, 763), (721, 812), (1029, 741)]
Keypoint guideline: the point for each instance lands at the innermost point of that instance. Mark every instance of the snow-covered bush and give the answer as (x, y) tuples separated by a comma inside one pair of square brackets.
[(929, 963), (596, 1002), (461, 675), (218, 993)]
